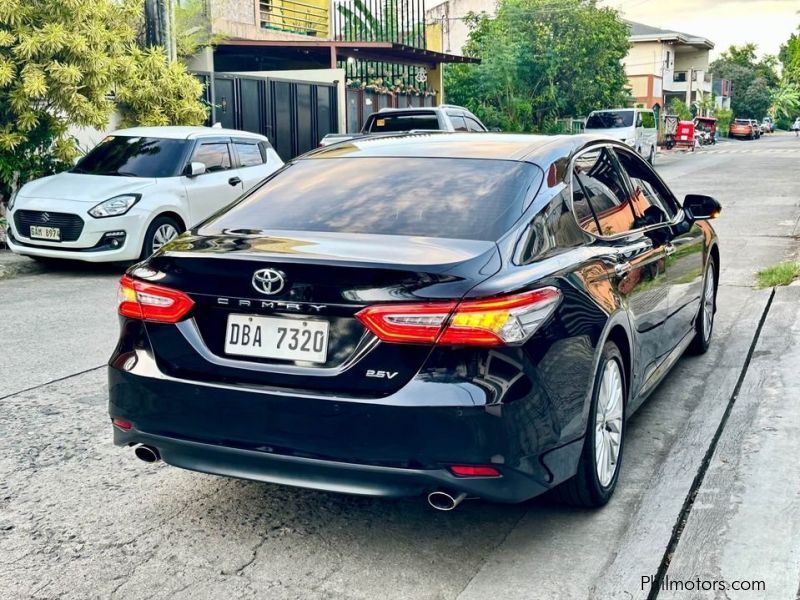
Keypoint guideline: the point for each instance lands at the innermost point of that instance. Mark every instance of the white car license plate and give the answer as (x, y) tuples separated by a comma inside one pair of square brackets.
[(276, 337), (46, 233)]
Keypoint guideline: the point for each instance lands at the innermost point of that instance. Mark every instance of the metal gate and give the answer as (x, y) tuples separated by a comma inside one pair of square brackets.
[(361, 103), (294, 115)]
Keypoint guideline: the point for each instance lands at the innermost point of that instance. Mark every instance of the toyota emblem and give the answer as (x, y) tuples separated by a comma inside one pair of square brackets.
[(45, 217), (269, 281)]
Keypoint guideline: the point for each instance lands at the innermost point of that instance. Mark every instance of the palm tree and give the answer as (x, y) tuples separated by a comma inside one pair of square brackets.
[(785, 101), (706, 105)]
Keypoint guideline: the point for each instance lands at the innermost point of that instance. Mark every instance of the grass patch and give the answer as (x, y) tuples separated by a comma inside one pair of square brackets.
[(781, 274)]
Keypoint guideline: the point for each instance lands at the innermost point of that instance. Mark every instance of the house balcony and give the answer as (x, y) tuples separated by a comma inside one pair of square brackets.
[(310, 17), (701, 81)]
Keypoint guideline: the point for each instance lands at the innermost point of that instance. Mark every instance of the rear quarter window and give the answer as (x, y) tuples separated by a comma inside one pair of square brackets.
[(249, 154)]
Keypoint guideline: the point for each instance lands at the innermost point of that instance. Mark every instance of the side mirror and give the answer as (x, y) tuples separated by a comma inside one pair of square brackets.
[(195, 168), (700, 208)]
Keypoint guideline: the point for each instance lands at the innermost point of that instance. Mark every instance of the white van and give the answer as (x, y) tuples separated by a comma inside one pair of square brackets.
[(635, 126)]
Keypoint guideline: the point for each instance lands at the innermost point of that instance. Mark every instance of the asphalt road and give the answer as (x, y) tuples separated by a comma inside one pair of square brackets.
[(80, 518)]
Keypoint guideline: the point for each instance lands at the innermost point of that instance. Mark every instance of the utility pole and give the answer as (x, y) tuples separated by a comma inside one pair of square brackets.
[(166, 13)]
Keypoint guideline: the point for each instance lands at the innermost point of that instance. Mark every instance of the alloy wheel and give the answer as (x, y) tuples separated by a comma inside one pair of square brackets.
[(608, 423), (708, 305), (163, 234)]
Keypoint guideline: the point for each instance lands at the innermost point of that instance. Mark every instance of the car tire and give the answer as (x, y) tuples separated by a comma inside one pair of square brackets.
[(704, 323), (159, 233), (593, 484)]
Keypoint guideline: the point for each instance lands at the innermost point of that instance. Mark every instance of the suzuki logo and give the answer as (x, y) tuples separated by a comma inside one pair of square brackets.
[(269, 281), (45, 217)]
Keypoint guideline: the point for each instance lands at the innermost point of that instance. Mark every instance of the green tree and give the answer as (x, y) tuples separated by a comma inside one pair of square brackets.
[(785, 101), (680, 108), (163, 94), (193, 28), (60, 61), (539, 64), (790, 58), (786, 98), (753, 80), (724, 117), (706, 105)]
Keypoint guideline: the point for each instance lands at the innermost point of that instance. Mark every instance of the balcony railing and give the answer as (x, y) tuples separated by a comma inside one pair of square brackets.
[(399, 21), (294, 16)]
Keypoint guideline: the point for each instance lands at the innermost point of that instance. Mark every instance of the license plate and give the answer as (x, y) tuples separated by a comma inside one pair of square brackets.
[(276, 337), (46, 233)]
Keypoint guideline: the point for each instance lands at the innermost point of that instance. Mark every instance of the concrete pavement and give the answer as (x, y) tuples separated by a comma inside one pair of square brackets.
[(80, 518)]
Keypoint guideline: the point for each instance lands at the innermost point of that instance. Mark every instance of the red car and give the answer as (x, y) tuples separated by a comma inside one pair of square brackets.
[(742, 128)]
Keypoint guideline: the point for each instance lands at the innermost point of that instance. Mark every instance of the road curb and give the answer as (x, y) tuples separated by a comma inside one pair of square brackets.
[(12, 265)]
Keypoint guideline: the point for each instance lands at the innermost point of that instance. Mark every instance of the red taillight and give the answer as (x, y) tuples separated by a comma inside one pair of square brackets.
[(474, 471), (488, 322), (408, 323), (141, 300), (122, 424)]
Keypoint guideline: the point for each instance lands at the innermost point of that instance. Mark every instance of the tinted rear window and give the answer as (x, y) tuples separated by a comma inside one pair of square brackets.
[(390, 122), (129, 156), (428, 197), (610, 119)]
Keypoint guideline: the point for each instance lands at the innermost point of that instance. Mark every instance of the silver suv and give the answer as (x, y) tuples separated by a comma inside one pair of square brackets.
[(445, 117)]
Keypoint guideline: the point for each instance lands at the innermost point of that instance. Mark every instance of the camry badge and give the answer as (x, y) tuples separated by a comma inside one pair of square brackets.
[(269, 281)]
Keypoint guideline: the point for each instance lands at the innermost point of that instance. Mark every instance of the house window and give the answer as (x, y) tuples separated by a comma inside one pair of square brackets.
[(669, 59), (264, 11)]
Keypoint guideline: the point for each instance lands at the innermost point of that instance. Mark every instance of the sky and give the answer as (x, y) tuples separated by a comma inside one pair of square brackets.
[(767, 23)]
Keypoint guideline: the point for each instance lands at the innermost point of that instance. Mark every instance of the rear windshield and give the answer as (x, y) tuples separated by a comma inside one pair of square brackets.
[(429, 197), (389, 122), (127, 156), (610, 119)]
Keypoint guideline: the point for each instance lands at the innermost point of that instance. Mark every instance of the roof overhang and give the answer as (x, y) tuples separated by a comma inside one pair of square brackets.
[(389, 52), (679, 39)]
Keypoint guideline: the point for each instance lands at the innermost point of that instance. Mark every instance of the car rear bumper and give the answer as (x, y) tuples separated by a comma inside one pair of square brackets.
[(357, 447), (327, 475)]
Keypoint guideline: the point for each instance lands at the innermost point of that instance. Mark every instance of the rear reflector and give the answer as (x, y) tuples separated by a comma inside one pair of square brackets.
[(122, 424), (487, 322), (474, 471), (141, 300)]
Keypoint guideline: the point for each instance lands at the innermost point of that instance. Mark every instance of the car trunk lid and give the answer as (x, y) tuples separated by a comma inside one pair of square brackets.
[(328, 278)]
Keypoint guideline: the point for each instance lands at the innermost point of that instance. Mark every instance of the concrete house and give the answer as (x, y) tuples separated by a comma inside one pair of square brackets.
[(664, 64)]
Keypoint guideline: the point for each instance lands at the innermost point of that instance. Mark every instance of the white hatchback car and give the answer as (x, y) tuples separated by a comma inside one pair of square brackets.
[(135, 191)]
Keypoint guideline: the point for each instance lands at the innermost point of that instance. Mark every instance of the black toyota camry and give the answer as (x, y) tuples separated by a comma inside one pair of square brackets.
[(443, 314)]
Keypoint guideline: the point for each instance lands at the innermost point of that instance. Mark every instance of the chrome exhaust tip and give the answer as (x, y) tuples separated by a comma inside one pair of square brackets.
[(147, 453), (443, 501)]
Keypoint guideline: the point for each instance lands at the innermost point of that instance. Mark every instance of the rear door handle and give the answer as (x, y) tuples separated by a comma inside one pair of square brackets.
[(234, 181), (622, 269)]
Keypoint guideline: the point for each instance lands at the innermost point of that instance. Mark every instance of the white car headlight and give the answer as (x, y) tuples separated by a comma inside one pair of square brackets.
[(11, 200), (114, 207)]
